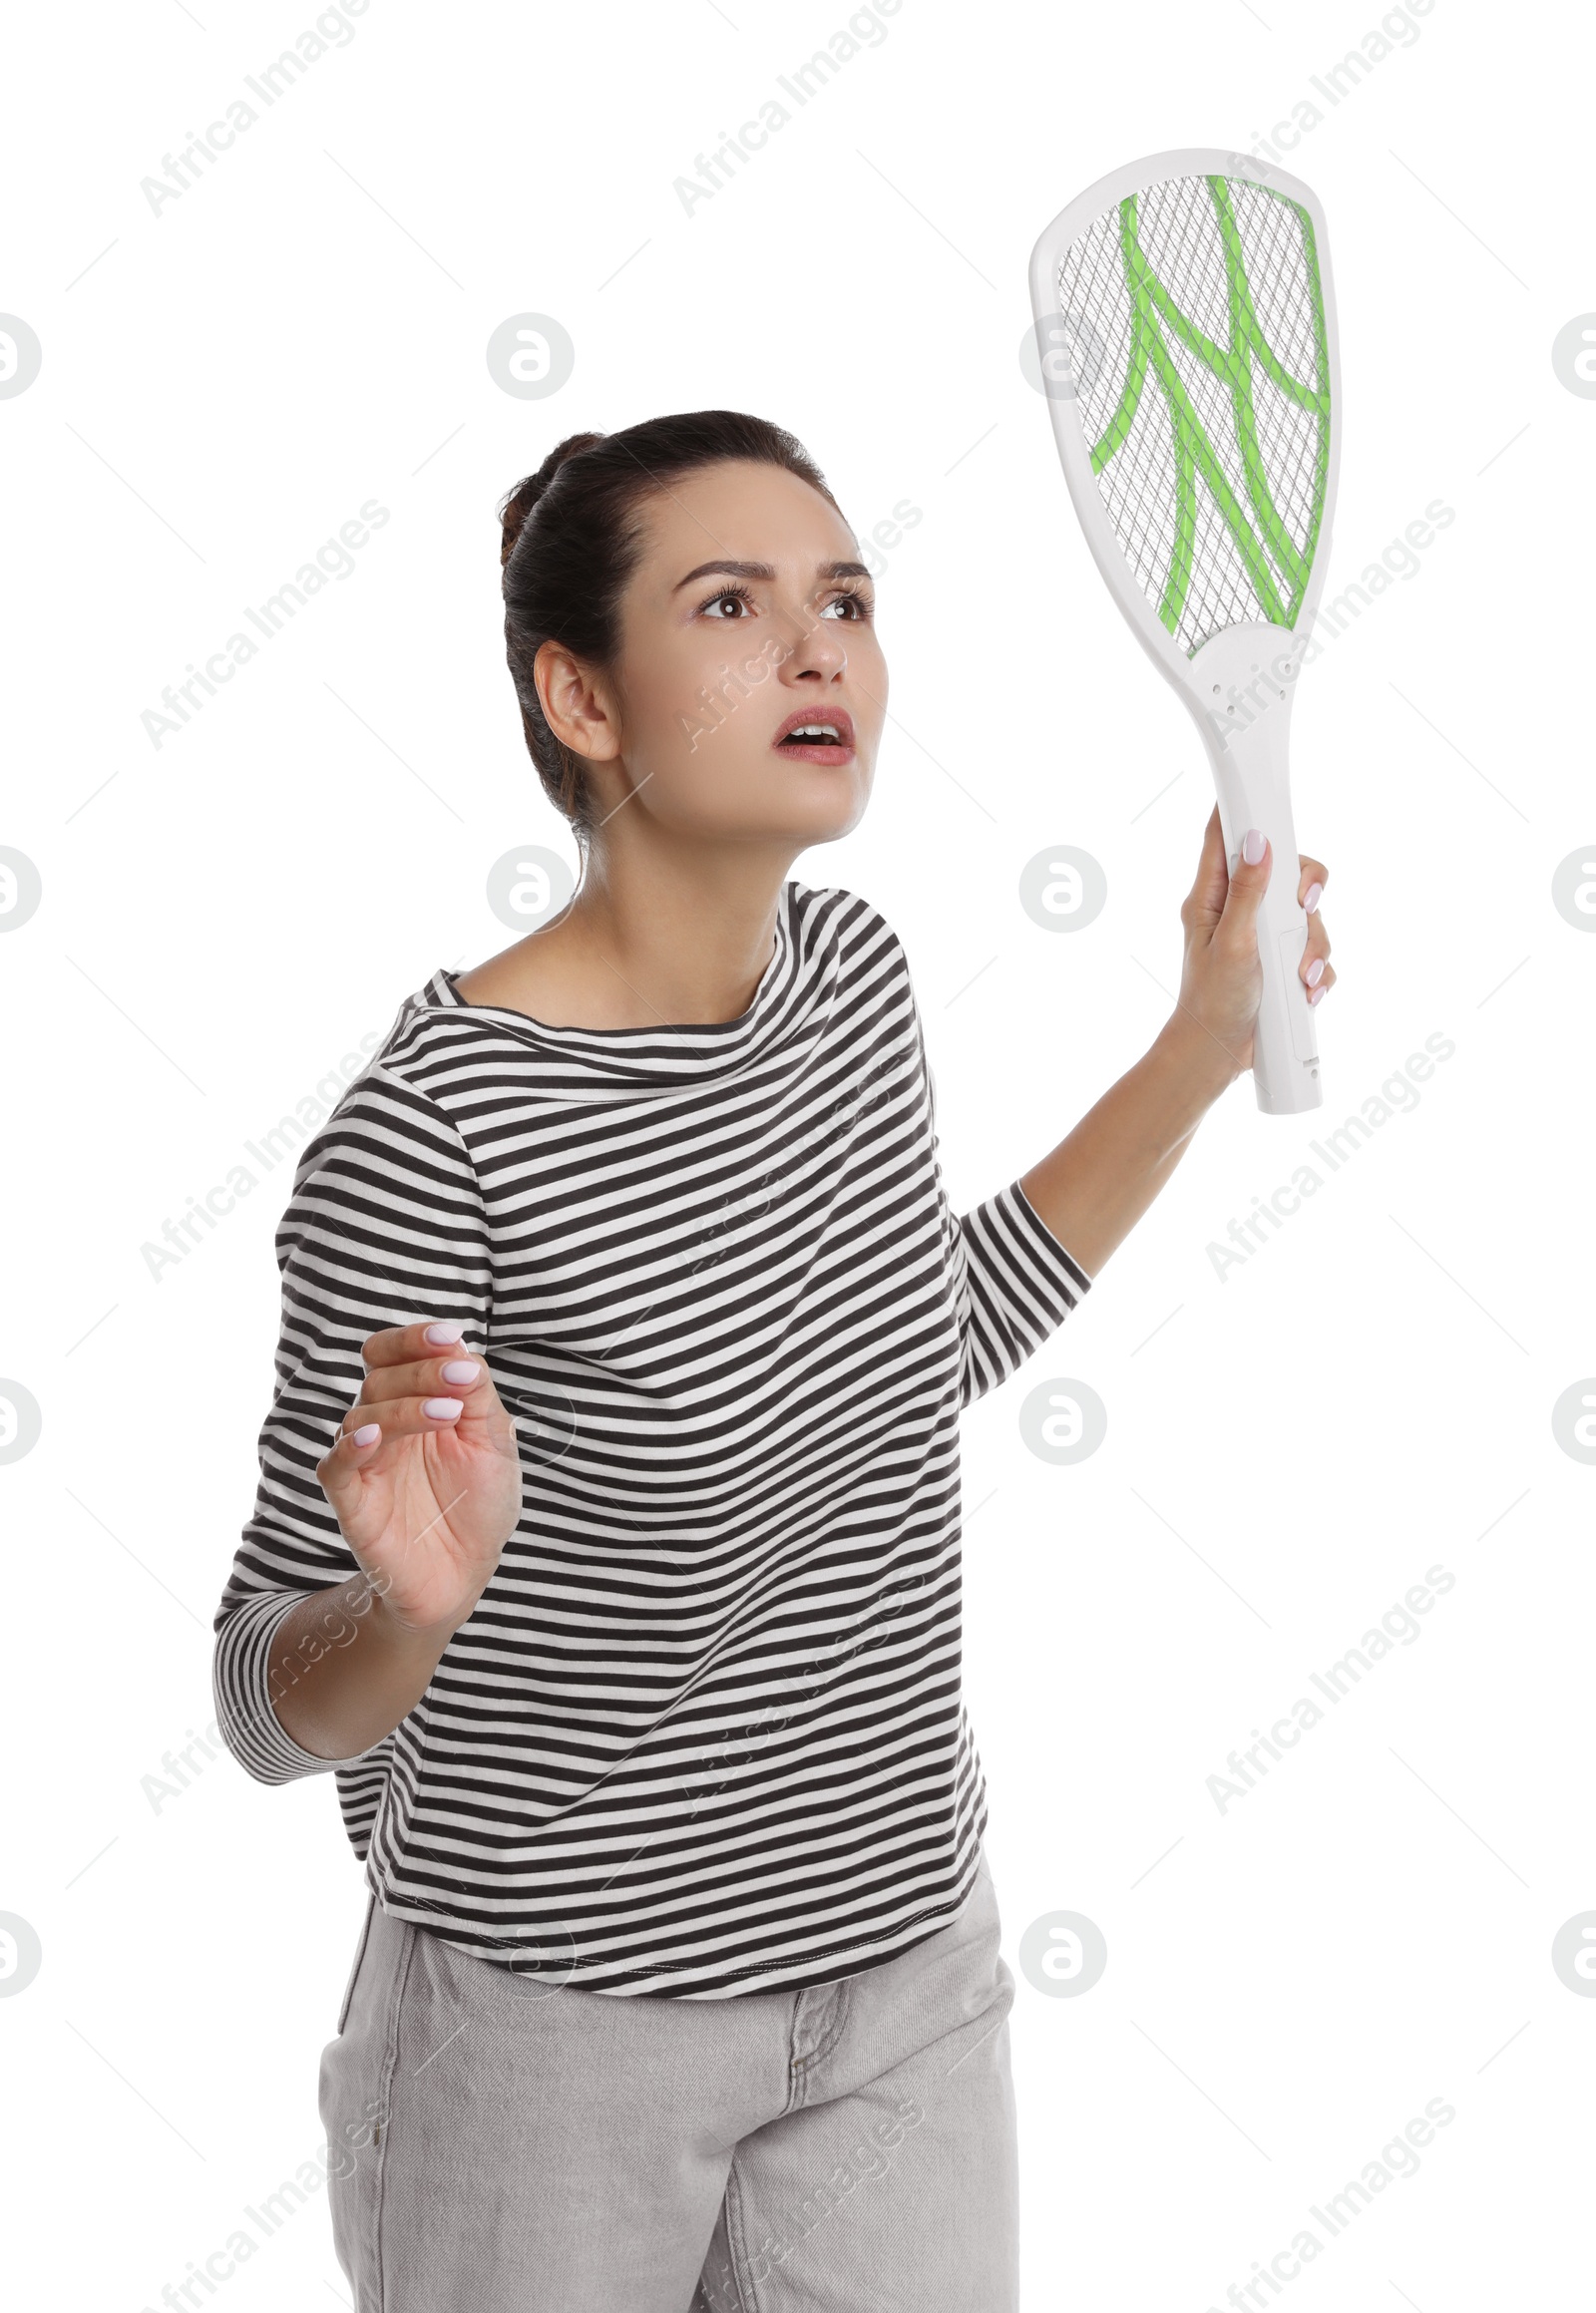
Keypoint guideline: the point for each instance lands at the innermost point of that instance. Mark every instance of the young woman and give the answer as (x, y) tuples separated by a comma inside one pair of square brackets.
[(607, 1539)]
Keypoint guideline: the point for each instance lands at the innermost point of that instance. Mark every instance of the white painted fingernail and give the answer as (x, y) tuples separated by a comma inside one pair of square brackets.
[(367, 1434), (1311, 896), (439, 1335), (1314, 993), (461, 1370), (1253, 843), (1313, 974), (442, 1408)]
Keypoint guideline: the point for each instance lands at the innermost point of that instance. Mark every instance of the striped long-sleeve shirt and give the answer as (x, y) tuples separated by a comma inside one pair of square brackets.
[(702, 1733)]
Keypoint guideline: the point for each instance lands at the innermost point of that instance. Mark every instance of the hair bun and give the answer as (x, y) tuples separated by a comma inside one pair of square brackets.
[(525, 496)]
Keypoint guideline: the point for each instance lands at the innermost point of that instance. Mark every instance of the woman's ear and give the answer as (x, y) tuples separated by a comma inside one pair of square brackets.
[(576, 707)]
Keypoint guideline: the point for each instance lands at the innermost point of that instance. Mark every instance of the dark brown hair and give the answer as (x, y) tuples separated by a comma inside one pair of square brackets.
[(573, 536)]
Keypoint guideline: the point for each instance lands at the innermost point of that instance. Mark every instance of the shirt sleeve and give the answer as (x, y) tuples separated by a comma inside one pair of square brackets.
[(1013, 1283), (385, 1227)]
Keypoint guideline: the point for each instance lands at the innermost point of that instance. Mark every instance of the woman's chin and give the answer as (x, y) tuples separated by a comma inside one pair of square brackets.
[(824, 805), (805, 803), (809, 827)]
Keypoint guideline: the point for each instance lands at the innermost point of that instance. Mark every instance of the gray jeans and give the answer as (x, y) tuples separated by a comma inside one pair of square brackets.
[(498, 2145)]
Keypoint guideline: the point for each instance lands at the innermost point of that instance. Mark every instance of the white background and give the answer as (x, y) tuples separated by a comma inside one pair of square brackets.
[(1289, 1448)]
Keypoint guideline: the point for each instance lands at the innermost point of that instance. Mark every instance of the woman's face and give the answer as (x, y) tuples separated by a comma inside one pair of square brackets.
[(749, 617)]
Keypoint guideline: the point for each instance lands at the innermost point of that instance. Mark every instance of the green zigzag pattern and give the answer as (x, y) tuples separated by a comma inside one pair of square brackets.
[(1258, 532)]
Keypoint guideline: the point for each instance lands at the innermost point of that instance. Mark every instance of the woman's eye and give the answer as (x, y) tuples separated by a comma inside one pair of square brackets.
[(715, 608), (856, 607)]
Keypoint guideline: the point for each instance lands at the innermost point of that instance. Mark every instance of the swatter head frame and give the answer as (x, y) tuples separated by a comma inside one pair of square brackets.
[(1074, 451)]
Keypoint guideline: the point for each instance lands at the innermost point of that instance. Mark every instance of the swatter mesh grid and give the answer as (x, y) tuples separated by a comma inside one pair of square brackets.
[(1195, 324)]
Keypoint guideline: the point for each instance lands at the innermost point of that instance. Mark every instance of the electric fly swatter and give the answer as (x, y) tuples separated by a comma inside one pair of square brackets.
[(1187, 338)]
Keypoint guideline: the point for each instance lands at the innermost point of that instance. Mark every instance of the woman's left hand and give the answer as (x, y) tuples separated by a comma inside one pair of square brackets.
[(1221, 981)]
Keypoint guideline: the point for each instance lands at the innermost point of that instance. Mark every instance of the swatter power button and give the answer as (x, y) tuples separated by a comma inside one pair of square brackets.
[(1297, 1011)]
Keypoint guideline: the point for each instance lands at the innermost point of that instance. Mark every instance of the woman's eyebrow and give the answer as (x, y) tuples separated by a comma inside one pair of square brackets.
[(764, 570)]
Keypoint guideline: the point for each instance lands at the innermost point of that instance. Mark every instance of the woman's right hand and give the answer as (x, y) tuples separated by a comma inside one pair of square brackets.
[(430, 1498)]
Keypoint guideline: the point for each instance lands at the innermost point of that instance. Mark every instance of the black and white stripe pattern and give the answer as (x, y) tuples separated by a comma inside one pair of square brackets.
[(702, 1733)]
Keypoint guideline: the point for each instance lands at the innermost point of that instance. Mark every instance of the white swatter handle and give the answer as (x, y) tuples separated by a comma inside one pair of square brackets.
[(1250, 773)]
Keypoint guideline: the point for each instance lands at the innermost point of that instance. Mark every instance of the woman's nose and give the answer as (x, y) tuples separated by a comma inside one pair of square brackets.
[(818, 650)]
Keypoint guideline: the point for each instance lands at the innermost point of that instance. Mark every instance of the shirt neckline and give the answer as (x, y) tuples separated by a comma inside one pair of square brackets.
[(680, 1034)]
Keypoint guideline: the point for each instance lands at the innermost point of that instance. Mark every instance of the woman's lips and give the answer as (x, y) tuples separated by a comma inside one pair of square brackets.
[(831, 751)]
